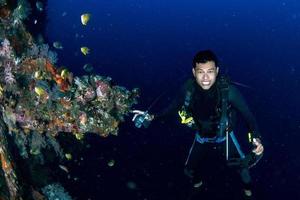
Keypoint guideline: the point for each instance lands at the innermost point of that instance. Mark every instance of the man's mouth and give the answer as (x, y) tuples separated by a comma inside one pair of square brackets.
[(205, 82)]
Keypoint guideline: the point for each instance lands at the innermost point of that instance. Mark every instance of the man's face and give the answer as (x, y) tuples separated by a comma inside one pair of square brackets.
[(205, 74)]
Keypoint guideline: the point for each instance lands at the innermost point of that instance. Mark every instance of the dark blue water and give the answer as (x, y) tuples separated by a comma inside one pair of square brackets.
[(150, 45)]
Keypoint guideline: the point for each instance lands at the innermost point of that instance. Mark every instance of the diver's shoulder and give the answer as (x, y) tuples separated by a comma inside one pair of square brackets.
[(189, 82), (225, 81)]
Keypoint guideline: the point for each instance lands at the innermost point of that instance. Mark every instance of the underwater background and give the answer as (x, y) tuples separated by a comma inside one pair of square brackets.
[(150, 45)]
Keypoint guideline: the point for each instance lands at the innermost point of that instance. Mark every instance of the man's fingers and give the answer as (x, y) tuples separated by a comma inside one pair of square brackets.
[(258, 150), (256, 141), (261, 149)]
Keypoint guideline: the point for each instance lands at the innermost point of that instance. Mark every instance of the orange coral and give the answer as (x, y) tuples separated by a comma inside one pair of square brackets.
[(29, 66), (50, 68), (61, 82), (6, 165), (66, 103)]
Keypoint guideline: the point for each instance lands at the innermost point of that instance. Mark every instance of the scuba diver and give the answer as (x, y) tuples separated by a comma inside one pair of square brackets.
[(209, 103)]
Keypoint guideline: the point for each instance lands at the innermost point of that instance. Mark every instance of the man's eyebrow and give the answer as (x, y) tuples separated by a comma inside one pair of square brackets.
[(208, 69)]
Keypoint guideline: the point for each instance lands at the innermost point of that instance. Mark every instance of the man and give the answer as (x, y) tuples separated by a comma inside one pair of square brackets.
[(209, 104)]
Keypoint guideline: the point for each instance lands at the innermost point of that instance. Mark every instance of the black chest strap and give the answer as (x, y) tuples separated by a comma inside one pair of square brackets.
[(224, 122)]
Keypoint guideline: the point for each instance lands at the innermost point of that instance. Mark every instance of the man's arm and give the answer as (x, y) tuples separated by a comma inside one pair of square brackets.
[(176, 103), (173, 107), (240, 104)]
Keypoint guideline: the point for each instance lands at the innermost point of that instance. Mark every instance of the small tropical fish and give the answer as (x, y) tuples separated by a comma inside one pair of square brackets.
[(57, 45), (111, 163), (64, 168), (79, 136), (85, 50), (68, 156), (38, 75), (85, 18), (40, 91), (39, 5), (88, 68), (1, 91), (64, 73)]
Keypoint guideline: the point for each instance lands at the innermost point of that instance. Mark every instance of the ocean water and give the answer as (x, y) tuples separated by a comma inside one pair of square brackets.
[(150, 45)]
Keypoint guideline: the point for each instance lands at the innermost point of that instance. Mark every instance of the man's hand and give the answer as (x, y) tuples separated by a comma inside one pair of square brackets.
[(139, 112), (259, 148)]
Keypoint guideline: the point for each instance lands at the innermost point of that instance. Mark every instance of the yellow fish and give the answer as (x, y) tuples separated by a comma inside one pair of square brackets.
[(38, 75), (1, 91), (68, 156), (85, 50), (79, 136), (40, 91), (64, 73), (85, 18)]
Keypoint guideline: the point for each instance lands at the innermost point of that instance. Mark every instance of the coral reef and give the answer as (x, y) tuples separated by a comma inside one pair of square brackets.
[(39, 101), (42, 51), (22, 11), (55, 191)]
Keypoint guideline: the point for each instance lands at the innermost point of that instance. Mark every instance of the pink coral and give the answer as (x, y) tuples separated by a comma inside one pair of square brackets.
[(89, 94), (8, 76), (5, 49), (102, 89)]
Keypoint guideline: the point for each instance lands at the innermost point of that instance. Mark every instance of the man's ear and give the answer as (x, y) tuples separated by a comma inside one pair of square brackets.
[(217, 70), (194, 72)]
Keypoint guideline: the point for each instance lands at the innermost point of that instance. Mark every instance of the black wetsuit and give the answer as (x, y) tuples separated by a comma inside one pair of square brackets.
[(204, 107)]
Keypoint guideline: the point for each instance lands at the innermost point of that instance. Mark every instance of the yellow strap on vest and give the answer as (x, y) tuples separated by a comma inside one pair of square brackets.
[(250, 137)]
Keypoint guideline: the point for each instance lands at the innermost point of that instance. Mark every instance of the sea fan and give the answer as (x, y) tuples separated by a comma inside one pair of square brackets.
[(55, 191), (22, 11), (42, 51), (33, 51), (52, 56)]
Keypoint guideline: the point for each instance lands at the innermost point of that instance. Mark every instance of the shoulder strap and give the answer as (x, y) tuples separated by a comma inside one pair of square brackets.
[(188, 94), (223, 85)]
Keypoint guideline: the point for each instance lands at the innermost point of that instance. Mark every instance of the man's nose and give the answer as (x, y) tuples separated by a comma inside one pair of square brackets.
[(205, 76)]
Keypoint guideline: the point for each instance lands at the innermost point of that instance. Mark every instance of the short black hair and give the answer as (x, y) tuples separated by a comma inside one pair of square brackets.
[(205, 56)]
